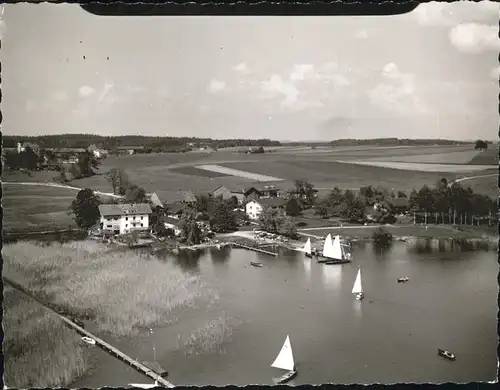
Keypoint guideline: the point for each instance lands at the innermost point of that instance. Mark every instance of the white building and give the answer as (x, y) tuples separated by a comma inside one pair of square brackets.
[(254, 207), (124, 218)]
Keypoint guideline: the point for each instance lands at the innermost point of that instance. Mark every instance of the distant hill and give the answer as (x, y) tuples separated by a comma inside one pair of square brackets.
[(377, 142)]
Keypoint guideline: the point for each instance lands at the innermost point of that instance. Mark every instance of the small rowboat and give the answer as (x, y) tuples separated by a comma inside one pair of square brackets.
[(286, 377), (446, 354), (403, 280), (88, 340), (256, 264)]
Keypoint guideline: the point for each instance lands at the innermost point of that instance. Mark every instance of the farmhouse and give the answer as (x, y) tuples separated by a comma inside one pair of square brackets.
[(254, 207), (171, 223), (269, 191), (22, 147), (400, 205), (228, 194), (124, 218), (98, 153)]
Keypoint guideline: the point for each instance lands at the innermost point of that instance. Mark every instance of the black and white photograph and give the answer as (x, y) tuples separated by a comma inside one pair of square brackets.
[(249, 200)]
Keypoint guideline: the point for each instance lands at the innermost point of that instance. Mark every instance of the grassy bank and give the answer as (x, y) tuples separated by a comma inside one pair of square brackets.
[(120, 290), (39, 350), (432, 231)]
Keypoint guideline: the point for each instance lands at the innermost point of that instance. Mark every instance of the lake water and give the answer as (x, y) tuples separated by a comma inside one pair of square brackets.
[(391, 336)]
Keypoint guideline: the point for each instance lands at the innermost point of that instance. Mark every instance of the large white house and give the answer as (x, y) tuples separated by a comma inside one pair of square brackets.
[(124, 218), (254, 207)]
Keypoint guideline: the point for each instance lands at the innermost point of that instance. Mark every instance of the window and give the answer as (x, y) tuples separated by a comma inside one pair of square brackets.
[(108, 226), (126, 225), (142, 218), (134, 217), (142, 224), (126, 218)]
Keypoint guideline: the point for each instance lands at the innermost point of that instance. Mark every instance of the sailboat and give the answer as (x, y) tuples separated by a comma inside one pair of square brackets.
[(307, 248), (333, 251), (284, 361), (145, 385), (357, 289)]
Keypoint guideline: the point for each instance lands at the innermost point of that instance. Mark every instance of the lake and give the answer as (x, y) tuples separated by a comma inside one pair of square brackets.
[(391, 336)]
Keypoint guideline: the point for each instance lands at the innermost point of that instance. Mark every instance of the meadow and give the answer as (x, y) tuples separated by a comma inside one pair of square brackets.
[(39, 350), (119, 290), (37, 208)]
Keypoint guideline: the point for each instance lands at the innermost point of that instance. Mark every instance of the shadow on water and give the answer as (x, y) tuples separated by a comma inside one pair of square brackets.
[(189, 260), (433, 245), (381, 251), (220, 256)]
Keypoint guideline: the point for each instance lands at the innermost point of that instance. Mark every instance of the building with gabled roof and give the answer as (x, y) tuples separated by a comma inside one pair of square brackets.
[(124, 218)]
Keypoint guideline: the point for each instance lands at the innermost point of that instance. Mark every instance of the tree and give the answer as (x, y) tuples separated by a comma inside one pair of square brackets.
[(401, 194), (293, 207), (304, 190), (223, 218), (270, 219), (86, 208), (353, 211), (480, 144), (158, 222), (288, 228), (203, 203), (135, 194), (87, 163), (191, 232), (118, 180)]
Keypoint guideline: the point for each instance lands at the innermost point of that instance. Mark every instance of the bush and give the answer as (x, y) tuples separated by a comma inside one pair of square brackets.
[(381, 237)]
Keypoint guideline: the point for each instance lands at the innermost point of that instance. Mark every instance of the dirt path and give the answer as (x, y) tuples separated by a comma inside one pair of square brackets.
[(473, 177), (56, 185)]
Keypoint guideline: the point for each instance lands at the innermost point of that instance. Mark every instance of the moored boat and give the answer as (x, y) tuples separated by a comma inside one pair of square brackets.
[(403, 280), (308, 248), (333, 252), (145, 385), (256, 264), (357, 288), (284, 361), (88, 340), (446, 354)]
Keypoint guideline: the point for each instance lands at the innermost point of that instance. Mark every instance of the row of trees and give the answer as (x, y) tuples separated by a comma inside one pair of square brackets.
[(84, 140)]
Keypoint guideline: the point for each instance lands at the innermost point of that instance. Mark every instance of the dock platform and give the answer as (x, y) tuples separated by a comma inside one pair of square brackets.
[(255, 249)]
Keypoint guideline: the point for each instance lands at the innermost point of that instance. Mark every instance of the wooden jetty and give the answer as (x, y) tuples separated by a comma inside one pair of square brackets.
[(141, 367), (255, 249)]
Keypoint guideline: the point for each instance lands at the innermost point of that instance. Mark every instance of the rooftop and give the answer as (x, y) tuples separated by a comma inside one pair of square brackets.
[(272, 202), (124, 209)]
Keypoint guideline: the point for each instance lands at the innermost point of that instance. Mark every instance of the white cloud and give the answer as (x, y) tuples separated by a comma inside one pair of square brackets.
[(363, 34), (474, 37), (300, 72), (275, 87), (85, 90), (107, 94), (216, 86), (396, 92), (495, 73), (60, 96), (451, 14), (241, 68)]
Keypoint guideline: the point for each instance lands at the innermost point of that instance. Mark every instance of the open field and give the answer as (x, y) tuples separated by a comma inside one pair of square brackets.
[(120, 290), (486, 157), (464, 157), (37, 207), (40, 351), (237, 173), (197, 171), (423, 167)]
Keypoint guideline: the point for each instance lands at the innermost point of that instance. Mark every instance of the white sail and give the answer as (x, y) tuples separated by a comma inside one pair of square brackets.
[(332, 248), (284, 360), (357, 288), (307, 246)]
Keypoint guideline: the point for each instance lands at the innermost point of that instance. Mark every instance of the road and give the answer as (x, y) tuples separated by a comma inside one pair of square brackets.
[(472, 177), (56, 185)]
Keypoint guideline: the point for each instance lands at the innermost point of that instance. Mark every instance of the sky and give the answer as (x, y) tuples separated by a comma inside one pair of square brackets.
[(430, 73)]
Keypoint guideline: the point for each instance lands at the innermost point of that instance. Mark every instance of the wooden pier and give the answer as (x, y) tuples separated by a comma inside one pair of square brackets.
[(255, 249), (157, 376)]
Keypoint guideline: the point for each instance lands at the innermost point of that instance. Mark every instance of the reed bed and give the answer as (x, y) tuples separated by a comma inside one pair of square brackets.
[(39, 350), (122, 291), (211, 336)]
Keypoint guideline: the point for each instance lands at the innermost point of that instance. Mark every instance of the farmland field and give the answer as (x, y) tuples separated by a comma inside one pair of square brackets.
[(425, 167), (238, 173), (464, 157), (486, 157), (197, 171), (37, 207)]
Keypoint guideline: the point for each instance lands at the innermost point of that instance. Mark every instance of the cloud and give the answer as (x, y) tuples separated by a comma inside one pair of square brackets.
[(475, 38), (107, 95), (216, 86), (396, 92), (363, 34), (60, 96), (275, 87), (85, 91), (451, 14), (300, 72), (241, 68), (495, 73)]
